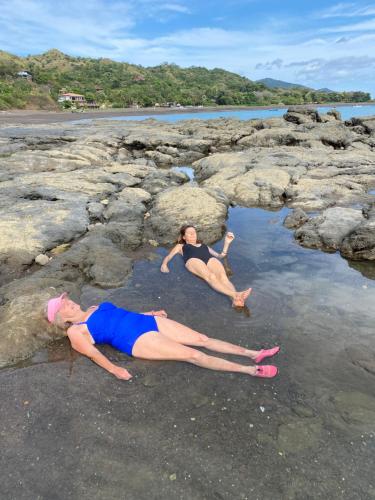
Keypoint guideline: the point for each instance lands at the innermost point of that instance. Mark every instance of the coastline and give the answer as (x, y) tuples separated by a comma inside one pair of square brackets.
[(18, 116)]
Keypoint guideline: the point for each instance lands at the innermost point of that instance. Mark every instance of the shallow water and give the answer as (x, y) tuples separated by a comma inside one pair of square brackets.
[(346, 113), (310, 432), (318, 416)]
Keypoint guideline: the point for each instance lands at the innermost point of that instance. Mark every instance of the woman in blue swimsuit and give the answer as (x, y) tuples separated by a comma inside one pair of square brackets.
[(149, 335), (203, 261)]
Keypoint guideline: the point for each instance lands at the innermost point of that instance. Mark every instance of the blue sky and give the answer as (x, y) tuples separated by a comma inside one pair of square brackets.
[(311, 42)]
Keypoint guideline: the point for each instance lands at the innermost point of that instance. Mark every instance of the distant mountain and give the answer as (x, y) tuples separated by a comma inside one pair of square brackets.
[(327, 91), (279, 84)]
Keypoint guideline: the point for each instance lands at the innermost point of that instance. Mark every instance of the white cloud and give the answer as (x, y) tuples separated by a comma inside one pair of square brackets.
[(105, 29), (345, 28), (175, 7), (346, 10)]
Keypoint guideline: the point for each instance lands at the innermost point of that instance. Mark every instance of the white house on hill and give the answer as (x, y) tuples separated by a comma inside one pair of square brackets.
[(70, 96)]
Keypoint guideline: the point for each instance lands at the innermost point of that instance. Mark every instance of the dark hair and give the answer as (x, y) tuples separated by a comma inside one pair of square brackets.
[(183, 231)]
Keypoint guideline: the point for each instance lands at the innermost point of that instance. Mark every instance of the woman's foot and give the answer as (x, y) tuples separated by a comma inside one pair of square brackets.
[(266, 353), (238, 301), (264, 371), (245, 294)]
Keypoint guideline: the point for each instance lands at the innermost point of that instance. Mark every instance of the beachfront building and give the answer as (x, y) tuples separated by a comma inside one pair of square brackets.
[(77, 99)]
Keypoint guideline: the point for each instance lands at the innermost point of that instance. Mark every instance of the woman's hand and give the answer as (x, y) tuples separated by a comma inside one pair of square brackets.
[(229, 237), (121, 373), (160, 313), (164, 268)]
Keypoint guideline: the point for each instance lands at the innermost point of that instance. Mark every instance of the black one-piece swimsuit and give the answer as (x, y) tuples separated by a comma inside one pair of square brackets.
[(192, 252)]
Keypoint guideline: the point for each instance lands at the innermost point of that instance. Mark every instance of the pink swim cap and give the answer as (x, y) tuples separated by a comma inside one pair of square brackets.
[(54, 306)]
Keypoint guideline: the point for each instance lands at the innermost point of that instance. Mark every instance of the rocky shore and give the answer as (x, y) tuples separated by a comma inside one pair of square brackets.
[(79, 202)]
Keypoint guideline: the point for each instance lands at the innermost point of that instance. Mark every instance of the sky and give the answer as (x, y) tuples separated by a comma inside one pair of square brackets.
[(311, 42)]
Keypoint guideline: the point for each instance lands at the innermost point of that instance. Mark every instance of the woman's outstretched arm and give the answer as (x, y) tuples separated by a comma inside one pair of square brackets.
[(82, 344), (229, 237), (175, 250)]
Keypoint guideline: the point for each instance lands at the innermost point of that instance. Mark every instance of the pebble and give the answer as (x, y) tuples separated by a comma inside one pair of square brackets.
[(42, 259)]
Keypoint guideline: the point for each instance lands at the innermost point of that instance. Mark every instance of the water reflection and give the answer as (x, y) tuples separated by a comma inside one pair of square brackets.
[(186, 170)]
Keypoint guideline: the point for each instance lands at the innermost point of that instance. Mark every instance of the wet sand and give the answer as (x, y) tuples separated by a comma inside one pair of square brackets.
[(69, 430), (28, 117)]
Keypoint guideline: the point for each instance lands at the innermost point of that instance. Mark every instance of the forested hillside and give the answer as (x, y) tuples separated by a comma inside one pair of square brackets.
[(116, 84)]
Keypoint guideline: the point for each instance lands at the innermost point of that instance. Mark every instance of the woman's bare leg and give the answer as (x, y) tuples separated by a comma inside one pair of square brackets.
[(198, 267), (218, 269), (184, 335), (156, 346)]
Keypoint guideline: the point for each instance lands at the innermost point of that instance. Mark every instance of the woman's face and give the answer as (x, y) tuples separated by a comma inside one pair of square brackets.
[(68, 308), (190, 235)]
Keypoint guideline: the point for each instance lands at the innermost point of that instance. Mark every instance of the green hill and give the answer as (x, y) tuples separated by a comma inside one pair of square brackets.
[(116, 84)]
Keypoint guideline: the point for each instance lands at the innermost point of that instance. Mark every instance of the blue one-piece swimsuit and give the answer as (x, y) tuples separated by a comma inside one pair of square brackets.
[(119, 328)]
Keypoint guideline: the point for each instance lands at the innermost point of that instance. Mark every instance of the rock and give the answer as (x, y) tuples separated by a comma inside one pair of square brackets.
[(124, 156), (262, 187), (25, 328), (295, 219), (366, 122), (328, 230), (159, 180), (95, 209), (187, 204), (99, 259), (335, 113), (160, 158), (326, 118), (138, 169), (238, 163), (299, 115), (268, 138), (42, 224), (317, 194), (360, 243), (126, 216), (129, 205), (334, 135), (42, 259)]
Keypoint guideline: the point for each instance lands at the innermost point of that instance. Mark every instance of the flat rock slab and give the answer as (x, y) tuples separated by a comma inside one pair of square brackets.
[(31, 227), (328, 230)]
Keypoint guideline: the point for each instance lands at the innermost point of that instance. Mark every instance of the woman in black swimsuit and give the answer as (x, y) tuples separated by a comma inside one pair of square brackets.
[(202, 261)]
